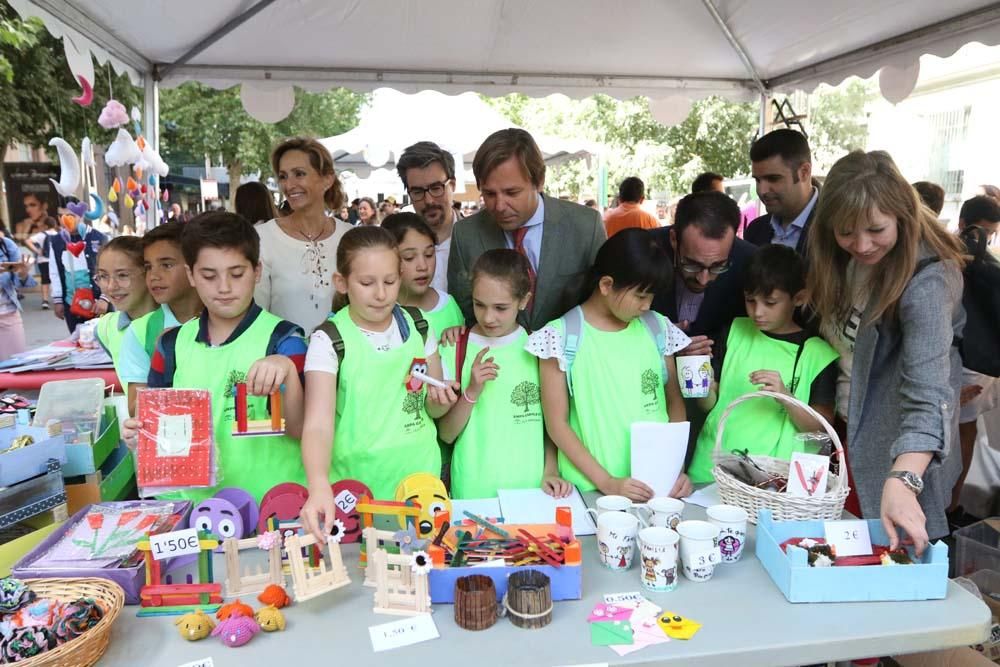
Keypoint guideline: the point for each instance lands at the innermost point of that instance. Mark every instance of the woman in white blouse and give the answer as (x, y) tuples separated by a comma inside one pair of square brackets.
[(298, 252)]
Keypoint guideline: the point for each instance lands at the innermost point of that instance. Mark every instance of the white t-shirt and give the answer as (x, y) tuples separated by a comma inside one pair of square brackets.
[(441, 253), (322, 357)]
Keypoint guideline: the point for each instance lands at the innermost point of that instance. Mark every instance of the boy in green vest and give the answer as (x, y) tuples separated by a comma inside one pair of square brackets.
[(167, 282), (767, 350), (234, 341)]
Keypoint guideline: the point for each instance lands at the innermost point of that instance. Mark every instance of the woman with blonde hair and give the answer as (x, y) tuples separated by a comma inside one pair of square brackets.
[(298, 250), (885, 279)]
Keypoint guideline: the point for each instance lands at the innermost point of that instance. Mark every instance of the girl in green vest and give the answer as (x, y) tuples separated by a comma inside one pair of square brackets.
[(122, 280), (417, 251), (767, 350), (365, 414), (609, 363), (497, 427)]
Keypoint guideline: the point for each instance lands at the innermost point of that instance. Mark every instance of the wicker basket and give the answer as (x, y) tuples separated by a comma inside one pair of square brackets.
[(87, 649), (783, 506)]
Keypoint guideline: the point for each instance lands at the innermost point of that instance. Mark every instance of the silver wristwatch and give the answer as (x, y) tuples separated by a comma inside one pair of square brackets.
[(910, 479)]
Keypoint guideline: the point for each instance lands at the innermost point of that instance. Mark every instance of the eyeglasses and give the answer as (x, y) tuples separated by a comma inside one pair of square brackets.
[(687, 266), (123, 278), (435, 190)]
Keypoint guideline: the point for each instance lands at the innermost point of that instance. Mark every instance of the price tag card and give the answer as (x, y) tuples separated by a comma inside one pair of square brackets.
[(617, 598), (849, 538), (403, 633), (346, 501), (204, 662), (177, 543)]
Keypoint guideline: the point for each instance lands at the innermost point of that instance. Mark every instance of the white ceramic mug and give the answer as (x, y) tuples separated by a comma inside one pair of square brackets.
[(699, 549), (615, 504), (658, 558), (664, 512), (732, 523), (694, 374), (616, 532)]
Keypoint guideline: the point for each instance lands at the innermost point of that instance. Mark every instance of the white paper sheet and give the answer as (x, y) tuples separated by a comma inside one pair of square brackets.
[(486, 508), (407, 631), (705, 497), (535, 506), (658, 451)]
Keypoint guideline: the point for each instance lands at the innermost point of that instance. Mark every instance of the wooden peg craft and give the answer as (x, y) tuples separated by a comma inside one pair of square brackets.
[(475, 602), (529, 599), (245, 428)]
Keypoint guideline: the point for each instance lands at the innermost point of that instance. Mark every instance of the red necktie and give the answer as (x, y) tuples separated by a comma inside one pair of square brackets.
[(519, 235)]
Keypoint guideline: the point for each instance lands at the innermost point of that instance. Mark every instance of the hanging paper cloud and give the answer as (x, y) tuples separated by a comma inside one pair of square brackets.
[(112, 115), (69, 177), (123, 150)]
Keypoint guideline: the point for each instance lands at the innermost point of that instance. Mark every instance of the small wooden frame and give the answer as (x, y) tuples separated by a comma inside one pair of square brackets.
[(159, 599), (529, 599), (244, 428), (401, 586), (249, 582), (368, 509), (475, 602), (308, 584)]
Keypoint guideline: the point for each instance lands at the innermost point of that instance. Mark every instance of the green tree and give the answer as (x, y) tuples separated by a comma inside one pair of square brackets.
[(413, 403), (837, 122), (525, 395), (200, 120), (649, 381)]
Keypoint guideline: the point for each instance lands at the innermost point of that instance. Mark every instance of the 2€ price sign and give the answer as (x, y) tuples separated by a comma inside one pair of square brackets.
[(849, 538), (177, 543)]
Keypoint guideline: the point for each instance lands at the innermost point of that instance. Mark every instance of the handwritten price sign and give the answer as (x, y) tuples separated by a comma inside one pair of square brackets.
[(849, 538), (177, 543)]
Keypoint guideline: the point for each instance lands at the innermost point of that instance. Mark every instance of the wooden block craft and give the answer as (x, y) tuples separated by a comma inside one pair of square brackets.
[(243, 427), (175, 447), (161, 599)]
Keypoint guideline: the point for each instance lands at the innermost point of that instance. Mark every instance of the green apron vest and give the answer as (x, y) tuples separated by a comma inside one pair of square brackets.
[(503, 444), (616, 380), (382, 432), (450, 315), (111, 338), (761, 426), (148, 329), (254, 464)]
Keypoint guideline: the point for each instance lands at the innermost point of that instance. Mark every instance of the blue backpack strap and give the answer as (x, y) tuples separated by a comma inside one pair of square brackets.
[(659, 335), (572, 333)]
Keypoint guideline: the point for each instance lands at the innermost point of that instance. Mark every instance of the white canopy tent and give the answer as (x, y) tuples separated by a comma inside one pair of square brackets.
[(394, 120), (670, 50)]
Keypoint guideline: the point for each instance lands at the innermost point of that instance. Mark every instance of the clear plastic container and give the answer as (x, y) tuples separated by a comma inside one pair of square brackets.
[(76, 405), (977, 547)]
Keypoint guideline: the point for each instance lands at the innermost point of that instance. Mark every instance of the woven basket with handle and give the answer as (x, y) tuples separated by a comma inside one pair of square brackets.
[(783, 506), (87, 649)]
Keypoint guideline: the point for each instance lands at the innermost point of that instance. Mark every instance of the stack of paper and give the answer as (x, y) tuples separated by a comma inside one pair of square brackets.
[(535, 506)]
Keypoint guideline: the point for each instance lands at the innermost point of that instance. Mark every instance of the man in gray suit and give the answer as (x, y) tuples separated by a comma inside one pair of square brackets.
[(559, 238)]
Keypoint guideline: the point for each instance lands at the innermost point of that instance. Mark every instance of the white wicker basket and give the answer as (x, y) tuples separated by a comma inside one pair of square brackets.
[(783, 506)]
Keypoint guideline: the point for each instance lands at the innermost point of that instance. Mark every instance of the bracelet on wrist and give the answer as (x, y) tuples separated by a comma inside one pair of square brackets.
[(465, 395)]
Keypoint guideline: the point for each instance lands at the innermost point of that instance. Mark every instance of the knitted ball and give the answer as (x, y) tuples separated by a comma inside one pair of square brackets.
[(25, 643)]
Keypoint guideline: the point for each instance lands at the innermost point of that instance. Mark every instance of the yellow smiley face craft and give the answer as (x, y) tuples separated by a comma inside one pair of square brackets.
[(676, 626), (429, 493)]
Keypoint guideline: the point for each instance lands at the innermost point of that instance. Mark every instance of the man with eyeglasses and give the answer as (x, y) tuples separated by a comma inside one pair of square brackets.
[(708, 264), (428, 174)]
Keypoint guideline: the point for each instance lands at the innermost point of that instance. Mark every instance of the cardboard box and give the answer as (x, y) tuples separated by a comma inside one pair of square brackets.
[(114, 481)]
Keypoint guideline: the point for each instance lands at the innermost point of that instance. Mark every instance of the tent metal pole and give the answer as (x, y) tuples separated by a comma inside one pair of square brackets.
[(151, 111), (762, 121), (883, 50), (212, 38), (737, 47)]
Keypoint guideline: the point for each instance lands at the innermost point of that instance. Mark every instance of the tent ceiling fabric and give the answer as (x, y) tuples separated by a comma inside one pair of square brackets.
[(657, 48)]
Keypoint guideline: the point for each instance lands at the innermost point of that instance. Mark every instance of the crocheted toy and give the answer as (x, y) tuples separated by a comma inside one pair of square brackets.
[(195, 625), (270, 619), (234, 608), (236, 630), (275, 596), (25, 643), (14, 594), (76, 618)]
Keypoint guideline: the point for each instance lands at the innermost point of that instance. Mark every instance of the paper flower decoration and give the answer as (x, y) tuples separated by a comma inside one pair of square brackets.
[(337, 531), (268, 539), (421, 562), (112, 115), (123, 150)]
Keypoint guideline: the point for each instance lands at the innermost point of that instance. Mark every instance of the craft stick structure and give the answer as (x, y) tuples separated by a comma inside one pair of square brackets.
[(244, 427), (401, 583), (307, 583), (240, 582), (160, 599), (369, 509)]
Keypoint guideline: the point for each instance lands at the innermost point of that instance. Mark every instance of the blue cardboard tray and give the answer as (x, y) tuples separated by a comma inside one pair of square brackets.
[(30, 461), (924, 580), (566, 582)]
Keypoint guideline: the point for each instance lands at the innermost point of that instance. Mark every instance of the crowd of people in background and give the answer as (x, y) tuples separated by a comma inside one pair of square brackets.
[(846, 294)]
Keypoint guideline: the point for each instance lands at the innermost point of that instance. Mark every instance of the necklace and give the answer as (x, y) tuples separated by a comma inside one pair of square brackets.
[(313, 262)]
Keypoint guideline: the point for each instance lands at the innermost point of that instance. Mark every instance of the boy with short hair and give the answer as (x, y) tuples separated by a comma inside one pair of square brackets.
[(234, 341), (767, 350), (167, 282)]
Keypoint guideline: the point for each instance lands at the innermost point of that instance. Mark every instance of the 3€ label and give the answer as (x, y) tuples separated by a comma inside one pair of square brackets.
[(849, 538)]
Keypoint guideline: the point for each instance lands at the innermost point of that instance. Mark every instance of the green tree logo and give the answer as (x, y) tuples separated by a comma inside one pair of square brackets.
[(649, 381), (525, 395), (412, 404), (235, 377)]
